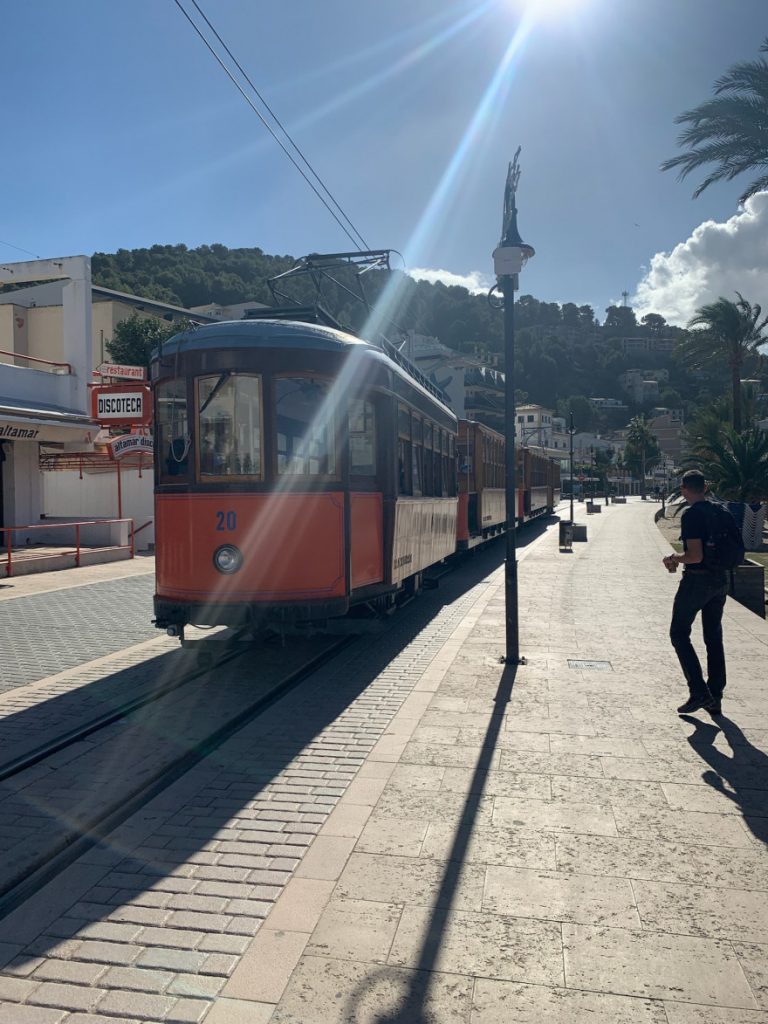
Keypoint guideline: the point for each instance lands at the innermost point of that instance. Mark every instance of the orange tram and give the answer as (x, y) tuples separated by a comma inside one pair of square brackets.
[(301, 471)]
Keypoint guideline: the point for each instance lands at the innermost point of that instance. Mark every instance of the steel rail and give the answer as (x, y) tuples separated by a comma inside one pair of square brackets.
[(51, 863), (68, 739)]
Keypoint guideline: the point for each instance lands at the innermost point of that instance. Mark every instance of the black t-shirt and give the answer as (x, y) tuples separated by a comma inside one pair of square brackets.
[(696, 525)]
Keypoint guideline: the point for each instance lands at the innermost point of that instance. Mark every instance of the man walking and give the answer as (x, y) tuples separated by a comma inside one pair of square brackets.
[(702, 589)]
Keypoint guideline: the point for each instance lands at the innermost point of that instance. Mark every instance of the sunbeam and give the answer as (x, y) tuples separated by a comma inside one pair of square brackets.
[(483, 119)]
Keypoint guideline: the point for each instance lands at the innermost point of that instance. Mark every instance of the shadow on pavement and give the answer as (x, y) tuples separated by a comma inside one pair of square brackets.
[(746, 772), (412, 1008), (232, 780)]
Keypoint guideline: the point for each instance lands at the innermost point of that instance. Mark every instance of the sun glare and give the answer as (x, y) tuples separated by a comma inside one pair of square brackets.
[(549, 10)]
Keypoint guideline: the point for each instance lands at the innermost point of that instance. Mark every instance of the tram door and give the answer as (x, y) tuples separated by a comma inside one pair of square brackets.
[(366, 473)]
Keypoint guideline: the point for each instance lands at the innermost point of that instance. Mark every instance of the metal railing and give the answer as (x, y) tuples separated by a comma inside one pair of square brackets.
[(67, 552), (34, 359)]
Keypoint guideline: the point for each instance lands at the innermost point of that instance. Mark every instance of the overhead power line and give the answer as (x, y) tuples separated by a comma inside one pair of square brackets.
[(348, 228), (19, 249)]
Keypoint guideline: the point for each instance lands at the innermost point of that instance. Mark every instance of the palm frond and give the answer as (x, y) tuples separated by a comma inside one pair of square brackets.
[(729, 130)]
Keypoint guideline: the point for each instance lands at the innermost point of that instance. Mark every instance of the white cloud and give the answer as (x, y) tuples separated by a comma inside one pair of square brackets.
[(718, 259), (474, 282)]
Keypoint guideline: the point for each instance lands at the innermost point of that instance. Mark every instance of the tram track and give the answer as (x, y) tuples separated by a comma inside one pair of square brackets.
[(28, 759), (49, 862)]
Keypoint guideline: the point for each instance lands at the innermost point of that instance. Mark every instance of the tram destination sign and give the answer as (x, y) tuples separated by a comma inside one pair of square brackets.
[(122, 404)]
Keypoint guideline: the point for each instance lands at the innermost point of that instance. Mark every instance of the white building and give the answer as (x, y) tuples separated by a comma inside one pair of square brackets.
[(43, 396), (52, 337), (534, 426)]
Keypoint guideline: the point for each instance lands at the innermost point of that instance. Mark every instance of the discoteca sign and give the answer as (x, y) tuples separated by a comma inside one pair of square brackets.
[(122, 404)]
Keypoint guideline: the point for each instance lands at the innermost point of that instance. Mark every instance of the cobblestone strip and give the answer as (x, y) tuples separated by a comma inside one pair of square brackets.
[(183, 888), (48, 806), (44, 710), (44, 634)]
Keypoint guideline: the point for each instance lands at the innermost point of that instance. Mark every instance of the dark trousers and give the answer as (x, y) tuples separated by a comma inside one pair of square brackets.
[(705, 594)]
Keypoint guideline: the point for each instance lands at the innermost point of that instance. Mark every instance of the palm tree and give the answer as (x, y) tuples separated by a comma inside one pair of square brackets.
[(735, 465), (730, 332), (641, 447), (736, 469), (730, 130)]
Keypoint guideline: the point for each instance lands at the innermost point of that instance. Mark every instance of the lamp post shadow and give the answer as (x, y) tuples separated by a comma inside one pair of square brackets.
[(413, 1007)]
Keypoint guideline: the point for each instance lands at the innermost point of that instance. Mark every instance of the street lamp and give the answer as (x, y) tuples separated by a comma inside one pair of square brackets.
[(571, 431), (509, 258)]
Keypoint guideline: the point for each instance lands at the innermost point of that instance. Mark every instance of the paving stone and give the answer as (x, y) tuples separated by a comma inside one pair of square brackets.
[(701, 910), (137, 1004), (492, 946), (653, 965), (404, 880), (681, 826), (679, 1013), (506, 1002), (355, 930), (197, 986), (18, 1014), (136, 980), (15, 990), (554, 896), (554, 816), (335, 992), (506, 846), (67, 997), (664, 861), (69, 971), (106, 952), (239, 1011), (172, 959), (754, 963), (390, 835)]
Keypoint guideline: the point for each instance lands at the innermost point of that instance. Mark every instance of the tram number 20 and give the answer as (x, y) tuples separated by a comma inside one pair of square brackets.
[(226, 520)]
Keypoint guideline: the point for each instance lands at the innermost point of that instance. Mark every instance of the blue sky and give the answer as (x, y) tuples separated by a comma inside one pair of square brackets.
[(121, 131)]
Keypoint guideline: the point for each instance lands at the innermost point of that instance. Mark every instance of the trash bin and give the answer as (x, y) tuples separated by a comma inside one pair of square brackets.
[(566, 533)]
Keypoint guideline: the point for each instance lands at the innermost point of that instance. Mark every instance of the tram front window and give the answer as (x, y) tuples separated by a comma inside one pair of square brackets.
[(305, 432), (172, 435), (229, 412)]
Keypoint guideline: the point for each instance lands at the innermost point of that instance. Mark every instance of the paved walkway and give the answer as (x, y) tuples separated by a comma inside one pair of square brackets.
[(424, 838), (556, 847)]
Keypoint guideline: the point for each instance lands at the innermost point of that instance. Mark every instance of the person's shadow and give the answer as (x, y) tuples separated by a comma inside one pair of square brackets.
[(746, 772)]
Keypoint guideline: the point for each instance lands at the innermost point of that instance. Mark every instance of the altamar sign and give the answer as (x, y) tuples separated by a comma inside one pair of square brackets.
[(121, 404)]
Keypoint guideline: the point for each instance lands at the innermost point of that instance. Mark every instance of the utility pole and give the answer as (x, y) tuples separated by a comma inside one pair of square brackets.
[(571, 431), (509, 259)]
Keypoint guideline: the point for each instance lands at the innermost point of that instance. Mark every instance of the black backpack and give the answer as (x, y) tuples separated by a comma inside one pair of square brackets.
[(724, 544)]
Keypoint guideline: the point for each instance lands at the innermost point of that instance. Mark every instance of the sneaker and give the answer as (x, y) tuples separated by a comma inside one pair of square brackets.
[(695, 704)]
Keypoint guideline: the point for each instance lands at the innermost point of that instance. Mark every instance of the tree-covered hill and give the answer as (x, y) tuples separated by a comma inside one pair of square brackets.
[(562, 350)]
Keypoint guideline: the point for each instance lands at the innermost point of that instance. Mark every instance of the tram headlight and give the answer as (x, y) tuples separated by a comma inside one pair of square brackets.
[(227, 559)]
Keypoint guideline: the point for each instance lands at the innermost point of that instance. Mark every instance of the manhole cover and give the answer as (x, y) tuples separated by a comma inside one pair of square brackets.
[(590, 666)]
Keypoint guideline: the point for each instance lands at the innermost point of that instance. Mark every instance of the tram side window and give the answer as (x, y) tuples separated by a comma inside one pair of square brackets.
[(172, 435), (439, 468), (362, 438), (417, 456), (230, 430), (452, 465), (306, 443), (429, 474), (404, 465)]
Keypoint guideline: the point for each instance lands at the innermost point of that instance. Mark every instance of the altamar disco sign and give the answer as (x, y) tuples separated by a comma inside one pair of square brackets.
[(121, 404)]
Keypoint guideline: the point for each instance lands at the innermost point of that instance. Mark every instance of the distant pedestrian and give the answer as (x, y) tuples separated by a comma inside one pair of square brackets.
[(703, 588)]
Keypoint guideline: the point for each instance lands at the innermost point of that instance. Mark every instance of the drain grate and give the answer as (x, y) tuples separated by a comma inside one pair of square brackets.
[(590, 666)]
